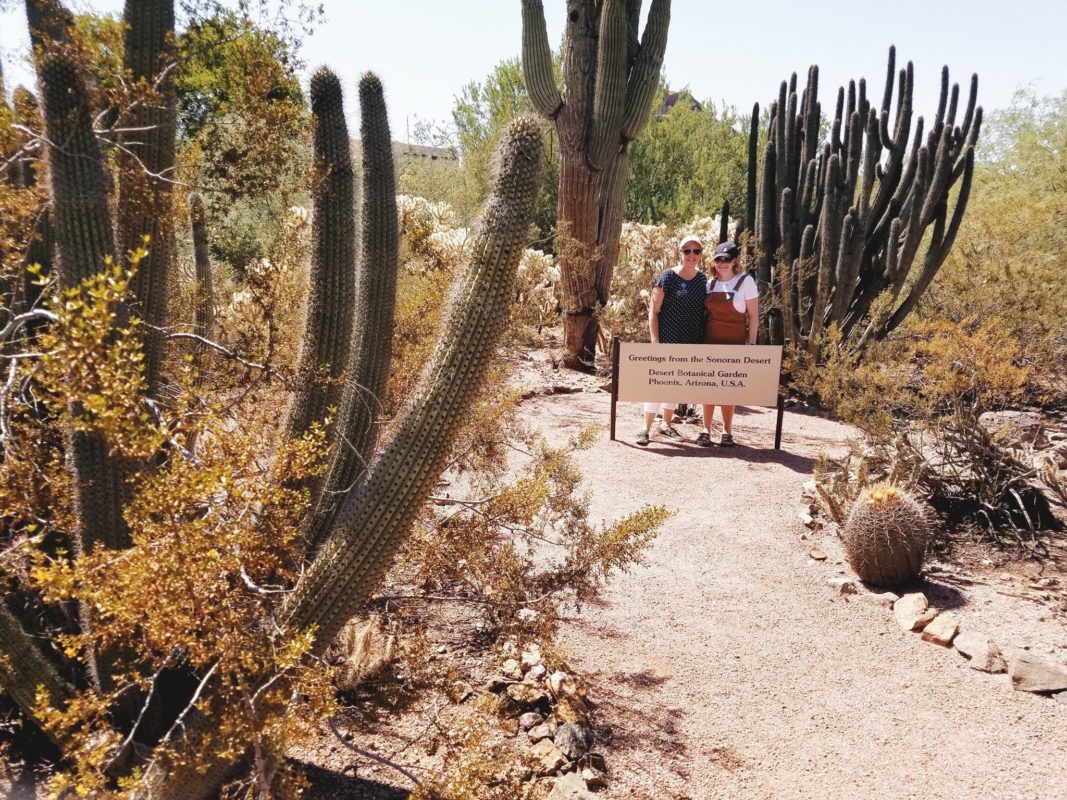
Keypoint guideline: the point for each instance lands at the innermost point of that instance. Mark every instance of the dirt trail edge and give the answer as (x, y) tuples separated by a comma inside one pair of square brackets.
[(727, 666)]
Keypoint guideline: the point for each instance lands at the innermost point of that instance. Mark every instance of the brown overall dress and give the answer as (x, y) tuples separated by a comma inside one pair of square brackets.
[(725, 325)]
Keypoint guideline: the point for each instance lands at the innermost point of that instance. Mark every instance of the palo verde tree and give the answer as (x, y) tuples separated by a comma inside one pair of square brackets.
[(610, 77), (837, 226), (132, 522)]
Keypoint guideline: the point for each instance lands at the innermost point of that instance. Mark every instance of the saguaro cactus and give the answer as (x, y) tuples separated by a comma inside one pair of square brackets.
[(837, 223), (610, 78), (204, 309)]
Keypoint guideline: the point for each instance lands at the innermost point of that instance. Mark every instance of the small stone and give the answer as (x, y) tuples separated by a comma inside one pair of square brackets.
[(530, 657), (530, 719), (982, 652), (810, 489), (1032, 674), (512, 670), (882, 599), (441, 649), (842, 585), (1005, 576), (546, 730), (574, 741), (497, 683), (571, 710), (563, 685), (528, 697), (570, 787), (595, 779), (805, 517), (537, 671), (548, 756), (817, 554), (942, 629), (1061, 697), (913, 612)]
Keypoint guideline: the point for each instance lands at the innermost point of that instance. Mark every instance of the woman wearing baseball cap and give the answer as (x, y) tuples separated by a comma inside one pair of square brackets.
[(676, 316), (732, 305)]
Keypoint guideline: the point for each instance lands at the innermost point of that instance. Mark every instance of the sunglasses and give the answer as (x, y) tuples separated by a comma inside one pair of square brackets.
[(691, 251), (723, 260)]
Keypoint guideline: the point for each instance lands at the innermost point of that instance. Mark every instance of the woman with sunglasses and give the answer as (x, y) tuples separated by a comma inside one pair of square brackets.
[(675, 316), (732, 305)]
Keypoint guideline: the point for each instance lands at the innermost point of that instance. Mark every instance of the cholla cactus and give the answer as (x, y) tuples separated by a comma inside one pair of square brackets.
[(885, 536)]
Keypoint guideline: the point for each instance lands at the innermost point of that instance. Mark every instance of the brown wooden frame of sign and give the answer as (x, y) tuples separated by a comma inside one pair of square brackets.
[(615, 348)]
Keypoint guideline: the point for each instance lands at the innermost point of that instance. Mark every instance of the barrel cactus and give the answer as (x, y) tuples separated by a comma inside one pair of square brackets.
[(885, 536)]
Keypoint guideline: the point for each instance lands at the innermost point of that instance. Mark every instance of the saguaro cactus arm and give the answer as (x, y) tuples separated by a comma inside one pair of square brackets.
[(644, 75), (537, 60)]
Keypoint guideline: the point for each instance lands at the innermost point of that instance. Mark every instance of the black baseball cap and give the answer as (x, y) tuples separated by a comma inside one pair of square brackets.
[(728, 249)]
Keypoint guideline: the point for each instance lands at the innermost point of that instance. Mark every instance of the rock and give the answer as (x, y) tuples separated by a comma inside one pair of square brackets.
[(548, 757), (527, 697), (570, 787), (817, 554), (537, 671), (811, 489), (531, 657), (1015, 428), (1061, 697), (595, 779), (574, 741), (512, 670), (530, 719), (942, 629), (805, 516), (570, 710), (913, 612), (1032, 674), (563, 685), (545, 730), (497, 684), (883, 599), (842, 585), (982, 651)]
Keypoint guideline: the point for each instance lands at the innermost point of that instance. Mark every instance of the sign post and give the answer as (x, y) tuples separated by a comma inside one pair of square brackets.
[(712, 374)]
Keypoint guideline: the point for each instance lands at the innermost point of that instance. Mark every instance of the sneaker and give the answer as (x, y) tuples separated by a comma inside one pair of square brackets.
[(642, 438), (727, 441), (703, 439), (669, 432)]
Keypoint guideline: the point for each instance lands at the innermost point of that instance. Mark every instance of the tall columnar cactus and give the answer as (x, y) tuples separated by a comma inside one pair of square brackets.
[(367, 370), (837, 223), (610, 78), (328, 331), (885, 536), (204, 308), (146, 166), (378, 515)]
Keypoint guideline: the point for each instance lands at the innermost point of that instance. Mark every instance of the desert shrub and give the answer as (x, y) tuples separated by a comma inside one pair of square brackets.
[(918, 397)]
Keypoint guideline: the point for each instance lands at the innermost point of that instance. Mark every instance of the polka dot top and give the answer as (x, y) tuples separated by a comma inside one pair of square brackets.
[(681, 317)]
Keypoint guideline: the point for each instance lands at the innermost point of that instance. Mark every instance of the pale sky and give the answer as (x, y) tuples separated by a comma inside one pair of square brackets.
[(425, 51)]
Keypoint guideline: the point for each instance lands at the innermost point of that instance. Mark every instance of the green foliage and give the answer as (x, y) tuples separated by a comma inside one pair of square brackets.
[(687, 163), (885, 536), (1008, 258)]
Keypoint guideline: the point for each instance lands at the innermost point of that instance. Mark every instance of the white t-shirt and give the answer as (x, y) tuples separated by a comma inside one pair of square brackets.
[(742, 295)]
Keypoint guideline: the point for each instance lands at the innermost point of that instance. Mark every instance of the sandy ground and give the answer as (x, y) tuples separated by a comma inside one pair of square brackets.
[(727, 667)]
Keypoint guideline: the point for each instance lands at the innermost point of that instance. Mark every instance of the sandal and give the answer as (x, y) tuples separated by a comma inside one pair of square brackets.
[(642, 439), (704, 440), (727, 441)]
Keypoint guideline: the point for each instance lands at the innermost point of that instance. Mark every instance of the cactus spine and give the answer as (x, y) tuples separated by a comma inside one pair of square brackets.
[(858, 205), (328, 328), (885, 536), (610, 78)]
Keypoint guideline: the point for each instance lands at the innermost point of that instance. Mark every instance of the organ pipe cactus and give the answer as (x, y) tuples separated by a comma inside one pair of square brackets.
[(146, 163), (610, 76), (367, 371), (328, 332), (833, 225)]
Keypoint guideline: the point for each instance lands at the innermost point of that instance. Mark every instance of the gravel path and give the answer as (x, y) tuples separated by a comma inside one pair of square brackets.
[(727, 667)]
